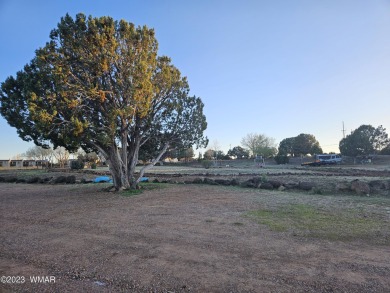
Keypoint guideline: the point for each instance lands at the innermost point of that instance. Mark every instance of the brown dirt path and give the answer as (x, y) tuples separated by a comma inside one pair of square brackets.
[(183, 238)]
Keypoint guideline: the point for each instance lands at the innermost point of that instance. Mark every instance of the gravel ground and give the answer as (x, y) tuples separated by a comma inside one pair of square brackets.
[(181, 238)]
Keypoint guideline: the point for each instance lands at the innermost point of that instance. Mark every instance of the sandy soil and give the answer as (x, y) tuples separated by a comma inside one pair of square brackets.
[(182, 238)]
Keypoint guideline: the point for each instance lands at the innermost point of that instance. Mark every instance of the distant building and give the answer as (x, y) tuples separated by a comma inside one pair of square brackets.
[(5, 163), (23, 163)]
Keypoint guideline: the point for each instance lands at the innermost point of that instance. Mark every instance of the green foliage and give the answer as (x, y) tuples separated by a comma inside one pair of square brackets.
[(287, 147), (93, 166), (77, 165), (98, 84), (181, 153), (386, 150), (209, 154), (259, 144), (302, 144), (364, 140), (239, 153), (207, 164), (306, 144), (281, 159)]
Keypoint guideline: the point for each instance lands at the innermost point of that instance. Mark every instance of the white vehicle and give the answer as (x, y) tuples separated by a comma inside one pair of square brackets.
[(329, 159)]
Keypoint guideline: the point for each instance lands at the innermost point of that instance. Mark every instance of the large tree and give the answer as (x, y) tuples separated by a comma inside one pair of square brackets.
[(259, 144), (286, 147), (39, 153), (238, 152), (364, 140), (301, 144), (99, 84), (306, 144)]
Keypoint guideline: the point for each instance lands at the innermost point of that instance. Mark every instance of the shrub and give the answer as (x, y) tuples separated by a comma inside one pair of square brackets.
[(93, 166), (281, 159), (77, 165), (206, 164)]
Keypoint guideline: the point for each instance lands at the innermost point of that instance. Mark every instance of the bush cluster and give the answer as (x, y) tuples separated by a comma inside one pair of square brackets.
[(77, 165), (281, 159), (207, 164)]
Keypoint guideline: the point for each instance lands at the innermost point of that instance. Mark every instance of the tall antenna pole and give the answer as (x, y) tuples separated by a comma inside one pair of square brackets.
[(343, 130)]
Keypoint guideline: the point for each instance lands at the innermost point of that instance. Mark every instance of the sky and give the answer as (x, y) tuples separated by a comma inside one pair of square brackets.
[(278, 68)]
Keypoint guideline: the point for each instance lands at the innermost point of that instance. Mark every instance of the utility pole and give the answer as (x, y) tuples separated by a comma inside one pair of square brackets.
[(343, 130)]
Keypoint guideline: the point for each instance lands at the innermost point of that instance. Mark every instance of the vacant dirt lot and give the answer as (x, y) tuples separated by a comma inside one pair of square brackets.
[(179, 238)]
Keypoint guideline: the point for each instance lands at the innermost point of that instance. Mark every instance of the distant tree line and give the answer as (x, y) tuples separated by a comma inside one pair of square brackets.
[(365, 140), (254, 145)]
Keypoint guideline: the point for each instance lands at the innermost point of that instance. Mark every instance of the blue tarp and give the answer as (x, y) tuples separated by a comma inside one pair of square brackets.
[(102, 179)]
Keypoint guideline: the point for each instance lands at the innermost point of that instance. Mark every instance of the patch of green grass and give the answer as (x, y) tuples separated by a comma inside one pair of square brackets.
[(143, 187), (309, 221)]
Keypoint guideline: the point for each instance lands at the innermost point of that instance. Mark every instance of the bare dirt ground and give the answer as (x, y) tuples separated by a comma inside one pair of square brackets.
[(179, 238)]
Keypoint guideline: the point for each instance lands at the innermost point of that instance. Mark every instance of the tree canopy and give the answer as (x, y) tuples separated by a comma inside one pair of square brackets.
[(238, 152), (364, 140), (301, 144), (100, 85), (259, 144)]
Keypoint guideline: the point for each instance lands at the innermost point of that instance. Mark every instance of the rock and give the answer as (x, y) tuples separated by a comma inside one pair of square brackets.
[(197, 181), (33, 180), (342, 186), (281, 188), (234, 182), (266, 185), (379, 185), (71, 179), (85, 181), (249, 184), (256, 180), (275, 183), (60, 179), (209, 181), (304, 185), (224, 182), (291, 185), (360, 187)]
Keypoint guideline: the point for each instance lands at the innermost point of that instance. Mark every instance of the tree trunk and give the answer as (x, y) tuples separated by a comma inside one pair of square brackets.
[(154, 161), (133, 160), (118, 168)]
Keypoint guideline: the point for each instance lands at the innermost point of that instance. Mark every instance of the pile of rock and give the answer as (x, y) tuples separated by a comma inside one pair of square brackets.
[(380, 187), (35, 179)]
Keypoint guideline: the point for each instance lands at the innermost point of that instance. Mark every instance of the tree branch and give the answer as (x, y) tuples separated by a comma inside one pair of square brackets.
[(154, 161)]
